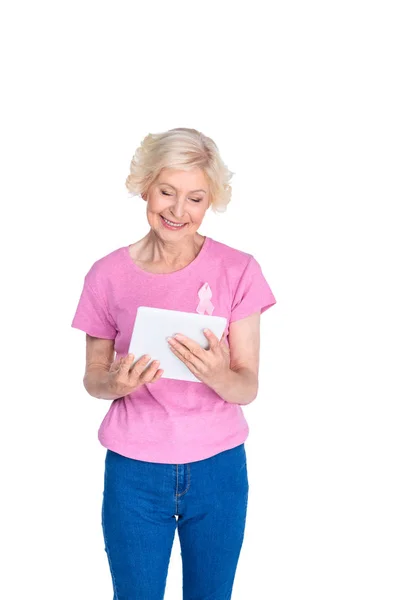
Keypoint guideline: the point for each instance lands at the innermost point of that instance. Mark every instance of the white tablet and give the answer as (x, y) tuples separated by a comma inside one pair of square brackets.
[(153, 326)]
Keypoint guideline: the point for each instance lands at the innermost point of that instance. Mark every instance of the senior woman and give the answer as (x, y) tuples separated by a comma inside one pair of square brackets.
[(175, 449)]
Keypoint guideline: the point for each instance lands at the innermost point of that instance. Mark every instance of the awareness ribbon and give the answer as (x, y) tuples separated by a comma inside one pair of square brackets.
[(205, 304)]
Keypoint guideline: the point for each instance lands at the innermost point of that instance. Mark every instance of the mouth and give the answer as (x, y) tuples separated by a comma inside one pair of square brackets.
[(171, 224)]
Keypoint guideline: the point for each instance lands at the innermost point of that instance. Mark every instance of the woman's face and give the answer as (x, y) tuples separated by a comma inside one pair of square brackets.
[(181, 197)]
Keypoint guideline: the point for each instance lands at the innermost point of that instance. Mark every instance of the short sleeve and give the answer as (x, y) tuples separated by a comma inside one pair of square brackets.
[(253, 293), (91, 314)]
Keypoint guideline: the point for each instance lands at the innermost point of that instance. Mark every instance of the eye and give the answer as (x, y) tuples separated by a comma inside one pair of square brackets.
[(193, 199)]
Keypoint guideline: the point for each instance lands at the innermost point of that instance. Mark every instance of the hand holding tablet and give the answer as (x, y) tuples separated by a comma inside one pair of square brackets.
[(154, 325), (122, 380)]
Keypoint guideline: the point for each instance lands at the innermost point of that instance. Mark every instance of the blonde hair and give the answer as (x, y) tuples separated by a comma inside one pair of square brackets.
[(180, 148)]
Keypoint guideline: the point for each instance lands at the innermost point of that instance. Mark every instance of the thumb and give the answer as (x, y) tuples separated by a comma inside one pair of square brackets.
[(224, 341), (126, 362), (115, 365)]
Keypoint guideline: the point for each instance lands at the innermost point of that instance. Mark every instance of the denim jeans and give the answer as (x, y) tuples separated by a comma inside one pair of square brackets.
[(145, 502)]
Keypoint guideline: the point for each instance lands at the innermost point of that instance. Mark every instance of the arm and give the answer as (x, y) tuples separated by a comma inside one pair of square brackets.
[(240, 386), (99, 356)]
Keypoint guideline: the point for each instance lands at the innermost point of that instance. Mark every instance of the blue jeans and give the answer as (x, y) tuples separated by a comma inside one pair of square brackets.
[(144, 503)]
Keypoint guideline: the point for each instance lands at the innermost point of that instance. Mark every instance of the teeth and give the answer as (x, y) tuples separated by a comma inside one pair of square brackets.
[(173, 224)]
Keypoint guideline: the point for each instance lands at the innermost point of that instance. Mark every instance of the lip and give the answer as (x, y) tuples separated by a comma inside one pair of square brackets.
[(173, 221)]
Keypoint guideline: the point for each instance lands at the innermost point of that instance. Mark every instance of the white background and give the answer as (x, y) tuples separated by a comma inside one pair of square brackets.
[(302, 99)]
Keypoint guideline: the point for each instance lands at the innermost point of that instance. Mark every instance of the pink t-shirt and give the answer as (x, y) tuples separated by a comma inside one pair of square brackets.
[(170, 421)]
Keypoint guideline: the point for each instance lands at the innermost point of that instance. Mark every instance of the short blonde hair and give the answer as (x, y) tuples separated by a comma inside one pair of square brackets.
[(180, 148)]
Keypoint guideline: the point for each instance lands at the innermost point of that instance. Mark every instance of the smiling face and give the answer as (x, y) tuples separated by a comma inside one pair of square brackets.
[(181, 197)]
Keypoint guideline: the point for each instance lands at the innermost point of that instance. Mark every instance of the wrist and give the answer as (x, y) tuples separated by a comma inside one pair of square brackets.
[(237, 386)]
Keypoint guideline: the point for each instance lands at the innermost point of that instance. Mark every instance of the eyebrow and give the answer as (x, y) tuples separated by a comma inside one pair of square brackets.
[(162, 183)]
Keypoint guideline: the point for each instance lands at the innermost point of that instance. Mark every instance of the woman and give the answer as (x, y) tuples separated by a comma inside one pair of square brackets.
[(175, 449)]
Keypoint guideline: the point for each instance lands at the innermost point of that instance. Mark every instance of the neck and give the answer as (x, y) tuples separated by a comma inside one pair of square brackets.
[(171, 253)]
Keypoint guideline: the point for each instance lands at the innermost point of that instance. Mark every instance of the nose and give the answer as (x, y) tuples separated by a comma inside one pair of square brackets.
[(178, 209)]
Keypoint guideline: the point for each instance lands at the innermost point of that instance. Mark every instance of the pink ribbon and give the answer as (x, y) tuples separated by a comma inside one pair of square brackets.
[(205, 304)]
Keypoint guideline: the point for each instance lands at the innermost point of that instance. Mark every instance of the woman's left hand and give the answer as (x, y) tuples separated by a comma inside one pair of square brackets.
[(209, 366)]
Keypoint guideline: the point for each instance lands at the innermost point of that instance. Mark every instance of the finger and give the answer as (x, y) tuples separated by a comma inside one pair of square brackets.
[(194, 364), (149, 373), (138, 366), (186, 356), (212, 338), (157, 375), (125, 362), (190, 344)]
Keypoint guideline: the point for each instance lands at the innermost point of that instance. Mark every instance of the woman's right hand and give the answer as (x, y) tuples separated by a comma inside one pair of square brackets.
[(123, 380)]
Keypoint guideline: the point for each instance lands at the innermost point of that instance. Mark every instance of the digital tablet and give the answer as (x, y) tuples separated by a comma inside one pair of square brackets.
[(152, 327)]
